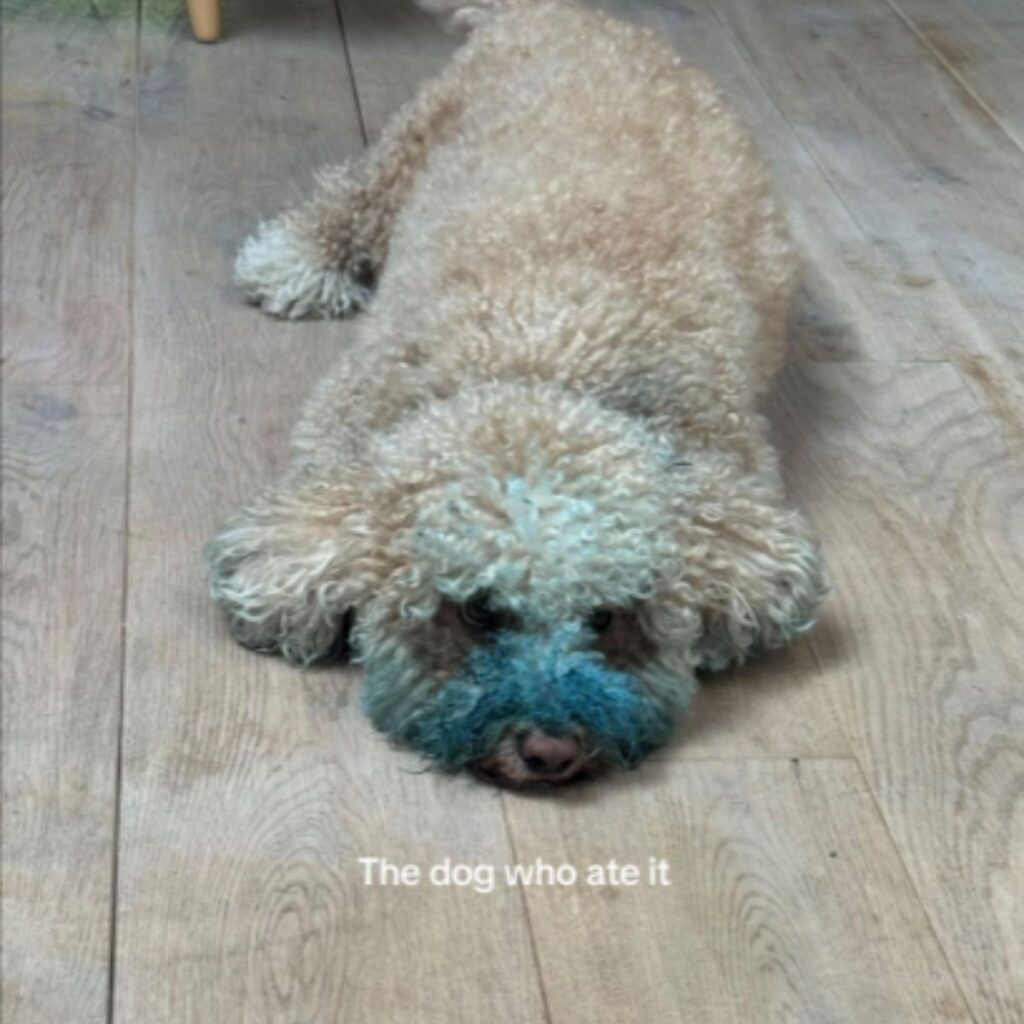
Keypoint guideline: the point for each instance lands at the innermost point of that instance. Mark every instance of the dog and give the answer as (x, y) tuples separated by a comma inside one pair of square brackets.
[(534, 495)]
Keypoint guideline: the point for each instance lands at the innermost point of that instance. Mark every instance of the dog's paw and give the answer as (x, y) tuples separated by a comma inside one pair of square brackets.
[(279, 272), (714, 652), (268, 609), (785, 610)]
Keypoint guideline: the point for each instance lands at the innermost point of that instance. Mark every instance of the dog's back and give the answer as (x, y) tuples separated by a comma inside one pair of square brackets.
[(596, 214)]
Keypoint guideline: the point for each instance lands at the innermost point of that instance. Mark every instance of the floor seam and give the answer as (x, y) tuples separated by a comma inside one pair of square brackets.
[(909, 878), (340, 15), (115, 866), (524, 903)]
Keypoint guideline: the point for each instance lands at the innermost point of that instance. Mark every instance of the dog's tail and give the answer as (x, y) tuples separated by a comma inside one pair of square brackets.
[(466, 13)]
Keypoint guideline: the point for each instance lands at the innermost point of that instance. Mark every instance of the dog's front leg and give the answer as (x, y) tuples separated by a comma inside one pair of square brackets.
[(289, 570), (323, 258)]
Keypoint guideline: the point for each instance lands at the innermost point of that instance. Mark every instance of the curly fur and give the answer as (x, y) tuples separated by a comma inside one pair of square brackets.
[(582, 280)]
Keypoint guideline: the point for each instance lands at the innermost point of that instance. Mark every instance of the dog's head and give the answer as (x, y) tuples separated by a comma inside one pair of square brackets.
[(514, 632), (535, 579)]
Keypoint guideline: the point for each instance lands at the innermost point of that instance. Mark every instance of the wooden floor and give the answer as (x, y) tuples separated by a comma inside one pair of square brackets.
[(844, 823)]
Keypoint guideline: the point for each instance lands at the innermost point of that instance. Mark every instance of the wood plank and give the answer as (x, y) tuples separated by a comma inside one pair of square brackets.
[(68, 169), (68, 118), (982, 48), (925, 171), (1003, 15), (903, 166), (250, 789), (917, 496), (787, 902), (775, 706)]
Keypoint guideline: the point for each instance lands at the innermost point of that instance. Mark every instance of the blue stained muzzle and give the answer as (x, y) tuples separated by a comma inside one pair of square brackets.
[(523, 681)]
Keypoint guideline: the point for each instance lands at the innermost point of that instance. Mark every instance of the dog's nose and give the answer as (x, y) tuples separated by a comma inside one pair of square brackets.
[(546, 754)]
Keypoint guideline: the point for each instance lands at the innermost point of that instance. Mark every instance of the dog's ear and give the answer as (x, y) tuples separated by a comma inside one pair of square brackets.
[(750, 566), (291, 567)]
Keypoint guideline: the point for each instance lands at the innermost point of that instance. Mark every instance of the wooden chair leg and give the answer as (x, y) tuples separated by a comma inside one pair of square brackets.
[(205, 18)]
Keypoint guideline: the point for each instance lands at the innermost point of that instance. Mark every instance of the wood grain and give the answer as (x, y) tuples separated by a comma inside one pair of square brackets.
[(250, 790), (926, 672), (981, 46), (775, 706), (932, 178), (787, 902), (935, 718), (68, 119), (68, 170)]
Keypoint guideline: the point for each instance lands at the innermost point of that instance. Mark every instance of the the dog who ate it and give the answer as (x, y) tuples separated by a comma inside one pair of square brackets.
[(535, 484)]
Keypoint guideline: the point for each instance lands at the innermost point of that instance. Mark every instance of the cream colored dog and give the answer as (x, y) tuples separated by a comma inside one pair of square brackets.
[(536, 484)]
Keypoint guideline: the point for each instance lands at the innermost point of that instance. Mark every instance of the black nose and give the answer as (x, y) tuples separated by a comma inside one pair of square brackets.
[(546, 754)]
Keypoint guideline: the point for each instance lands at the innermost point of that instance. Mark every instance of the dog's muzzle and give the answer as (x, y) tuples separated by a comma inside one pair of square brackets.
[(527, 709)]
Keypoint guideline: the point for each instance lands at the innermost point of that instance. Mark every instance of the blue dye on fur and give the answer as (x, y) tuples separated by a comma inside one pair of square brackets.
[(519, 682)]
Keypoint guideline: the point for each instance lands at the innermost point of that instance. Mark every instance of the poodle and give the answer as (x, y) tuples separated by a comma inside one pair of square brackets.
[(534, 497)]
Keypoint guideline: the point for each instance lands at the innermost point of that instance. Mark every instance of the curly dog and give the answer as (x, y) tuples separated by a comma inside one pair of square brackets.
[(535, 491)]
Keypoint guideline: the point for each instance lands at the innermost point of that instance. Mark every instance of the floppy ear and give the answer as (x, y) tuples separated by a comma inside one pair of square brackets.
[(290, 567), (751, 566)]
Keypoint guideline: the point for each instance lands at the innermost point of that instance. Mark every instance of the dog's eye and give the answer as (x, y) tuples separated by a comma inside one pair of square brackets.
[(479, 613), (599, 621)]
